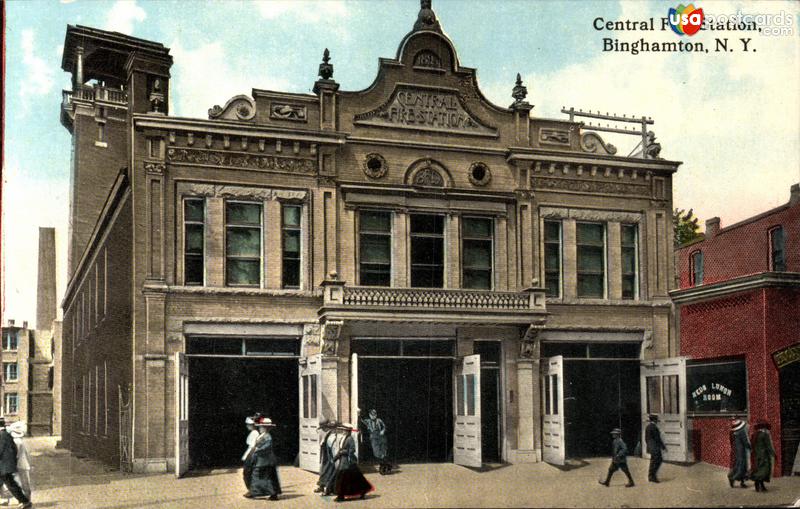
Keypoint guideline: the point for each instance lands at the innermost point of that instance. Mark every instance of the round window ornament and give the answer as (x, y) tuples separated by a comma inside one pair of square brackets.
[(479, 174), (375, 166)]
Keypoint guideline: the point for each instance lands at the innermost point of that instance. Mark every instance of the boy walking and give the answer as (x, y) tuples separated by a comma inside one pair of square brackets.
[(619, 459)]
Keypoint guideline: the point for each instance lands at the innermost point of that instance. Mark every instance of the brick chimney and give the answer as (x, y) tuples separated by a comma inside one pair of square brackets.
[(794, 195), (25, 324), (46, 283), (712, 227)]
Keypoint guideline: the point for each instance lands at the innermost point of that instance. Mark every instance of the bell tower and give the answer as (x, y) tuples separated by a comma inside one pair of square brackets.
[(113, 77)]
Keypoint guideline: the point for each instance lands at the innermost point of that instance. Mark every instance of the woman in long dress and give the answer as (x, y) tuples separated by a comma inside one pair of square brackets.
[(247, 457), (764, 453), (377, 438), (740, 445), (264, 482), (350, 482), (328, 448)]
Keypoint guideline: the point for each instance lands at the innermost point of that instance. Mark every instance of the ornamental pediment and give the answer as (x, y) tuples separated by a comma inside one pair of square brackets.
[(424, 108)]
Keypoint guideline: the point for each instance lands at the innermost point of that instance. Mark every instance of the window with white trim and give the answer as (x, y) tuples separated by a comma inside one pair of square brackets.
[(696, 268), (10, 341), (477, 239), (375, 248), (629, 249), (11, 403), (193, 241), (291, 219), (10, 371), (552, 258)]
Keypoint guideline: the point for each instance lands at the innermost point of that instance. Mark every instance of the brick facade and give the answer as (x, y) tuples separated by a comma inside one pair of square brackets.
[(742, 310)]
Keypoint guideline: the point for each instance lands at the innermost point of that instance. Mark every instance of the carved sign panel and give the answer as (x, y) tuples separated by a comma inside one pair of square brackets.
[(590, 186), (426, 109), (242, 160), (288, 112)]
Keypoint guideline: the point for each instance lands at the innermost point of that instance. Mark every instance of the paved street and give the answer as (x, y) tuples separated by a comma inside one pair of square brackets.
[(61, 480)]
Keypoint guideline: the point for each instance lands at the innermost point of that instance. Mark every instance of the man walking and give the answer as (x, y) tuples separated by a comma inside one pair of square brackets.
[(652, 436), (619, 459), (8, 466)]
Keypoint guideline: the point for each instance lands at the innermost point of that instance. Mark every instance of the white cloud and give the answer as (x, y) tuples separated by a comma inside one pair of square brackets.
[(38, 74), (303, 10), (123, 14), (730, 117), (195, 90)]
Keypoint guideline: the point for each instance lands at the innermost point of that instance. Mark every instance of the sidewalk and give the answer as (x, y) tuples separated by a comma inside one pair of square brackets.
[(61, 480)]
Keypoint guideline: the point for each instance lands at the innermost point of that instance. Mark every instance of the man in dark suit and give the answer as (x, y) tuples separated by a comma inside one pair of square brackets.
[(652, 436), (619, 459), (8, 466)]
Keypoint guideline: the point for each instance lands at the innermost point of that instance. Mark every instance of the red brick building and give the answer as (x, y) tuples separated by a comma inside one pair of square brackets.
[(738, 304)]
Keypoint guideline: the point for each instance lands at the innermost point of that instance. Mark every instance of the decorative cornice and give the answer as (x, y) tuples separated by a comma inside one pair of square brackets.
[(736, 285)]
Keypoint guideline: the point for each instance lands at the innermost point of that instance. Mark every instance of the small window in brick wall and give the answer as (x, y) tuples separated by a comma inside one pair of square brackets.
[(777, 259), (696, 268)]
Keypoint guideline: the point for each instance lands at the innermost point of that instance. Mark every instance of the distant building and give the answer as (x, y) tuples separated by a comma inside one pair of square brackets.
[(468, 269), (29, 376), (739, 313)]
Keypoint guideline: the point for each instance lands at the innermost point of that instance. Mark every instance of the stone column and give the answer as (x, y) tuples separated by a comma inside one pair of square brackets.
[(215, 242), (78, 67), (400, 250), (273, 265), (570, 257), (452, 261), (614, 260)]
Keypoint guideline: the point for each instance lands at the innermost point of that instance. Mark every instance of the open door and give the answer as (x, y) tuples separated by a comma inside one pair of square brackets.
[(355, 419), (467, 430), (663, 383), (181, 414), (310, 404), (553, 445)]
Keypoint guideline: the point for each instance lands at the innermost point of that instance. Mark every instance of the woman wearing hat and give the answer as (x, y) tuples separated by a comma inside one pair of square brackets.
[(247, 457), (350, 482), (264, 481), (740, 445), (328, 447), (18, 430), (377, 438), (764, 453)]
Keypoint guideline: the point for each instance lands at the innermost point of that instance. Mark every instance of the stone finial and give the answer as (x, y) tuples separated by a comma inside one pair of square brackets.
[(520, 91), (326, 68), (653, 148), (426, 19)]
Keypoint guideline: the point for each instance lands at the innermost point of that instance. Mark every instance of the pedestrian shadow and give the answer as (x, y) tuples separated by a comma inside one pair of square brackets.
[(570, 465), (52, 503), (491, 467), (207, 472)]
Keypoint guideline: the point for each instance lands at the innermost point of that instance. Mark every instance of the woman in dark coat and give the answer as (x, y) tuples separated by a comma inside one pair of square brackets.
[(350, 482), (764, 454), (740, 445), (328, 448), (377, 439), (264, 482)]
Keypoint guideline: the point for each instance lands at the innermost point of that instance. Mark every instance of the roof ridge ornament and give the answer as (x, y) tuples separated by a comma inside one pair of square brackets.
[(326, 68), (426, 19), (520, 91)]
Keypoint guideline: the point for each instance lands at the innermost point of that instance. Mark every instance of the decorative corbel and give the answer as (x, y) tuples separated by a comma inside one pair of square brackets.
[(529, 343), (330, 336)]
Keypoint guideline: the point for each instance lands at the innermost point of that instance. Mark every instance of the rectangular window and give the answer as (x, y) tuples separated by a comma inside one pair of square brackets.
[(11, 403), (630, 261), (427, 251), (716, 386), (696, 268), (242, 244), (193, 241), (777, 260), (374, 248), (10, 371), (591, 246), (10, 341), (552, 258), (291, 245), (101, 132), (477, 235)]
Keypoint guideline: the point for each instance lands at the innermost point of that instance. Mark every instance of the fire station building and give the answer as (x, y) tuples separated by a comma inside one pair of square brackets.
[(493, 283)]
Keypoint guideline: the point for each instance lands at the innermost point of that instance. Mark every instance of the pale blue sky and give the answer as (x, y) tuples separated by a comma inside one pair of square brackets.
[(732, 118)]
